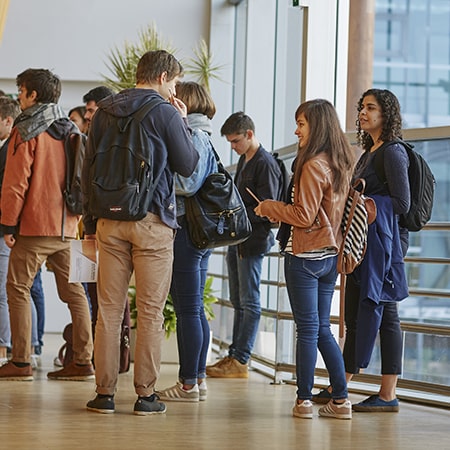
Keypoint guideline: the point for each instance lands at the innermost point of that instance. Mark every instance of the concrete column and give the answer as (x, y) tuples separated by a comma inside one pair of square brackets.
[(360, 55)]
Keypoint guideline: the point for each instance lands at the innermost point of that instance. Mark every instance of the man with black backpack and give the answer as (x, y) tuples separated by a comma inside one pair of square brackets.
[(137, 140), (32, 206)]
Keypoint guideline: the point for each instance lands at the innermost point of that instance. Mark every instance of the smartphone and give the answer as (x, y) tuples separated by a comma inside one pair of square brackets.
[(253, 195)]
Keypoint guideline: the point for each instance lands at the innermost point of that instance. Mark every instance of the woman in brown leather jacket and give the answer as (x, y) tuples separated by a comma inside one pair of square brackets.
[(309, 237)]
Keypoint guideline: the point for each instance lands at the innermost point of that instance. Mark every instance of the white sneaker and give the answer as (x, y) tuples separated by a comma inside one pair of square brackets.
[(203, 390), (178, 394), (57, 362), (35, 361)]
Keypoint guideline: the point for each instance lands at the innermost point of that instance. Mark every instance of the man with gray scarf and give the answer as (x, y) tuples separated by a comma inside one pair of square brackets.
[(32, 212)]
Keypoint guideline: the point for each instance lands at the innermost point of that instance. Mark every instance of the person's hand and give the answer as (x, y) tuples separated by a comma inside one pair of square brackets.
[(258, 211), (177, 103), (10, 240), (179, 106)]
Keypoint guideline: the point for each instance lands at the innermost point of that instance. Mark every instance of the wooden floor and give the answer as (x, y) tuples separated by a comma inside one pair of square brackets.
[(239, 414)]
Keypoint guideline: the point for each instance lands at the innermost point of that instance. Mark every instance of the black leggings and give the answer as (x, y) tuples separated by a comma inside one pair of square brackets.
[(390, 333)]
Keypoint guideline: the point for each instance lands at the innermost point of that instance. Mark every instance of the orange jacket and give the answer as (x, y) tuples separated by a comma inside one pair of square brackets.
[(316, 214), (33, 185)]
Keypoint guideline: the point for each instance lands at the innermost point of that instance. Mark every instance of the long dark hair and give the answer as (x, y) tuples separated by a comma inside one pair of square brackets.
[(325, 136), (392, 119)]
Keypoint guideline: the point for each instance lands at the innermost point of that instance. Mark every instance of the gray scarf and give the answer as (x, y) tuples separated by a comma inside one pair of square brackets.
[(197, 120), (37, 119)]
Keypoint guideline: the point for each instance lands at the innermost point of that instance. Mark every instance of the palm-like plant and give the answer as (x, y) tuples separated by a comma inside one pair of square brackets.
[(122, 63), (202, 66)]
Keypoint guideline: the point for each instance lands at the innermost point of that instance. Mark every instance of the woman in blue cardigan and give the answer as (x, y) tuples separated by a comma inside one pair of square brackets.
[(373, 290)]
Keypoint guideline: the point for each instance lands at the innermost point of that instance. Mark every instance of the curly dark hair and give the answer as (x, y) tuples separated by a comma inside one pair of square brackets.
[(392, 119)]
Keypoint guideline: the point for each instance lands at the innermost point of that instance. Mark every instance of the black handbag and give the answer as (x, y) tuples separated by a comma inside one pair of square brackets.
[(215, 214)]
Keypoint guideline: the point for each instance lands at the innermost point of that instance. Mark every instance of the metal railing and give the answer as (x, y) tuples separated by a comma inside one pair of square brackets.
[(277, 361)]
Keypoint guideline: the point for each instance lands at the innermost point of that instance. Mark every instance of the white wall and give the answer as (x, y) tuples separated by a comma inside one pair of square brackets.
[(72, 38)]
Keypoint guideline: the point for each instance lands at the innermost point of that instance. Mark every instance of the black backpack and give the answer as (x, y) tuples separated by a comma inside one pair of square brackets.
[(74, 148), (285, 178), (121, 182), (422, 185)]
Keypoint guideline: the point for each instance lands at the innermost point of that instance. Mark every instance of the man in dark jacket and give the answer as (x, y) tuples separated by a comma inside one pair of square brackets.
[(258, 171), (146, 245)]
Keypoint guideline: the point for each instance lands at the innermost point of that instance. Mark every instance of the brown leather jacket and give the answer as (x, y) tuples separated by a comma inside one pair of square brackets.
[(32, 188), (317, 211)]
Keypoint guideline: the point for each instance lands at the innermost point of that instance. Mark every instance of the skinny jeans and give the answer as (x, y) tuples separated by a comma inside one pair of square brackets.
[(190, 267), (310, 285), (244, 278)]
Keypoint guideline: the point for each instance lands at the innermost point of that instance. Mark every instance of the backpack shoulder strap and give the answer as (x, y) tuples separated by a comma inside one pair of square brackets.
[(142, 112), (378, 160)]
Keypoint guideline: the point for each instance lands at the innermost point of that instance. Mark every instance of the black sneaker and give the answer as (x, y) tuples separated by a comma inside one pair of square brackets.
[(323, 397), (149, 405), (103, 405)]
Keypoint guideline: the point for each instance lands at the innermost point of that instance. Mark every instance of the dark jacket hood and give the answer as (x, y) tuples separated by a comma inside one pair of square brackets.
[(127, 102)]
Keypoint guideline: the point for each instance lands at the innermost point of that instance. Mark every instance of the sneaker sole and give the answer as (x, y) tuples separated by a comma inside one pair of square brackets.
[(101, 411), (148, 413), (17, 378), (181, 399), (75, 378), (302, 416), (375, 408), (202, 397), (227, 375), (336, 416)]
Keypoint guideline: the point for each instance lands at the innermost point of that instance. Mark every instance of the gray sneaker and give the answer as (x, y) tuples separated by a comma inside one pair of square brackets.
[(103, 405), (149, 405)]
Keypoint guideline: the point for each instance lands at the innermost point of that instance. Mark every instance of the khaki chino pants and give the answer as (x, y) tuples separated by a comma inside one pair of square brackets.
[(145, 246), (27, 255)]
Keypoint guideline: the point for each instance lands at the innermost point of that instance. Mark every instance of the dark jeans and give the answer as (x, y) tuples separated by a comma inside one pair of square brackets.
[(37, 295), (390, 333), (190, 267), (244, 278), (310, 285)]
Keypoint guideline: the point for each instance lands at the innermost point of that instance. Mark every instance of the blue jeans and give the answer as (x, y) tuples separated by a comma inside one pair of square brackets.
[(190, 267), (5, 330), (244, 277), (37, 295), (310, 285)]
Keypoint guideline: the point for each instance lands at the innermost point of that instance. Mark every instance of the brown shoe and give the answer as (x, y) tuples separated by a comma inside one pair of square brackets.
[(231, 368), (218, 363), (10, 372), (73, 372)]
